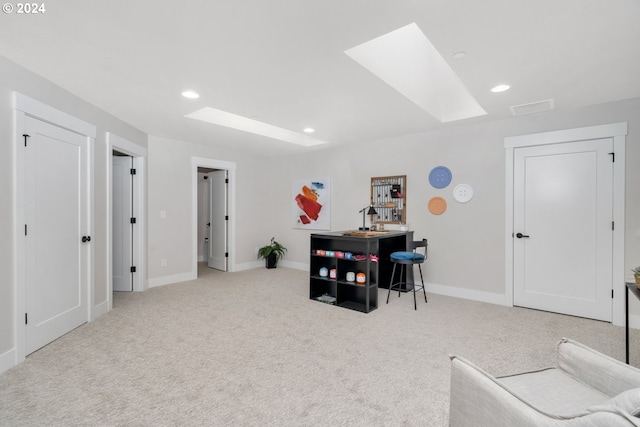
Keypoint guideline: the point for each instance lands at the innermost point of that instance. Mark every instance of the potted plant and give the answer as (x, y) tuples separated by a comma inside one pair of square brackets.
[(272, 253), (636, 274)]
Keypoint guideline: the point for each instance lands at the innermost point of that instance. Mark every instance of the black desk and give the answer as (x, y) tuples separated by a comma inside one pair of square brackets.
[(356, 296), (633, 288)]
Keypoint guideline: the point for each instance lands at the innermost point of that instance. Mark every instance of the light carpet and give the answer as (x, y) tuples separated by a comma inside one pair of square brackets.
[(251, 349)]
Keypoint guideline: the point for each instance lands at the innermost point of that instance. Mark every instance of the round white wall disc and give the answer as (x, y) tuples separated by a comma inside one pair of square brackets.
[(462, 193)]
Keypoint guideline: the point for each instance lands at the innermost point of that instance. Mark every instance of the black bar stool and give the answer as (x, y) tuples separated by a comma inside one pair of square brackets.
[(409, 258)]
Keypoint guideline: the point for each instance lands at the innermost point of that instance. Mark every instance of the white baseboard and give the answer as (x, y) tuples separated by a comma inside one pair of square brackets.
[(100, 310), (248, 265), (450, 291), (168, 280), (260, 264), (7, 360), (295, 265), (470, 294)]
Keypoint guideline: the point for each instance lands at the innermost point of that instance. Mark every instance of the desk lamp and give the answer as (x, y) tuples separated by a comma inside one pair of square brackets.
[(371, 211)]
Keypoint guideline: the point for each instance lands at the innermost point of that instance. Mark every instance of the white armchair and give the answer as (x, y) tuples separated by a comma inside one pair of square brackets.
[(587, 388)]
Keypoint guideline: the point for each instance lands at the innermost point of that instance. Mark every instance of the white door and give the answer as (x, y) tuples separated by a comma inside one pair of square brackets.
[(56, 212), (203, 217), (218, 214), (563, 238), (122, 226)]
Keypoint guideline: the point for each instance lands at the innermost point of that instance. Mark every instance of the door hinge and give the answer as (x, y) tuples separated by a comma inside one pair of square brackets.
[(133, 220), (133, 269), (226, 180), (25, 229), (613, 225), (26, 319), (206, 177), (611, 293), (25, 138), (613, 157), (226, 254), (226, 217), (132, 171)]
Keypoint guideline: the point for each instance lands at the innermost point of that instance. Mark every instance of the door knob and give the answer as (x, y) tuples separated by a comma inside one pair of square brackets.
[(520, 235), (86, 239)]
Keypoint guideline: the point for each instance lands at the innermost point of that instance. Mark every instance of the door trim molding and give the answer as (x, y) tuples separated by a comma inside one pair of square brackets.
[(230, 167), (616, 131), (24, 106), (568, 135), (38, 110)]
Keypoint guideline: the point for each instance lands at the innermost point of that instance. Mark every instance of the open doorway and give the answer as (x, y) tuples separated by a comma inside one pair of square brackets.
[(126, 215), (124, 222), (213, 215)]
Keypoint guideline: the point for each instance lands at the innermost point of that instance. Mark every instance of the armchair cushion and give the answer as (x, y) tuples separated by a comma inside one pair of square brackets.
[(553, 391)]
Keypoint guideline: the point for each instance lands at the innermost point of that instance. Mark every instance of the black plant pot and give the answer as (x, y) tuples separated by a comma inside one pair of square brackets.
[(271, 260)]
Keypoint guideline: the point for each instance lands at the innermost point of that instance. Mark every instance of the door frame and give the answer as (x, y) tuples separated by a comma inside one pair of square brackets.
[(230, 167), (24, 106), (616, 131), (139, 155)]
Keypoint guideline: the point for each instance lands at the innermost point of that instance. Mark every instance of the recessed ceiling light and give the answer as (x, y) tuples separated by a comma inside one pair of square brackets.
[(500, 88), (190, 94), (459, 55), (309, 130)]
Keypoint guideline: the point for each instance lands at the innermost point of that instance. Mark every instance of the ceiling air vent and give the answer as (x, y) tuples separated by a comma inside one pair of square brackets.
[(533, 107)]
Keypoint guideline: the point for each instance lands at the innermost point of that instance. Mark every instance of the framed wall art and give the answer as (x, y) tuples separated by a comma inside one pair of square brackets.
[(312, 204)]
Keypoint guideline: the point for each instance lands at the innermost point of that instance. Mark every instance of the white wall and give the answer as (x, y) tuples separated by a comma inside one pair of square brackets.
[(467, 253), (466, 243), (16, 78), (170, 189)]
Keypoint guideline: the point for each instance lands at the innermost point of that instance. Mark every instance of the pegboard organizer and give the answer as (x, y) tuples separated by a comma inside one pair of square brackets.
[(389, 198)]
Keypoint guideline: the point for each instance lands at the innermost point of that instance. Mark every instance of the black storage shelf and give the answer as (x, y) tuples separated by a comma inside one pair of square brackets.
[(326, 279), (359, 285), (361, 297), (352, 305)]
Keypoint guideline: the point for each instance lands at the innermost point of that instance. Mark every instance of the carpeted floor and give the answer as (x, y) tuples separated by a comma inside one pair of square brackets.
[(250, 349)]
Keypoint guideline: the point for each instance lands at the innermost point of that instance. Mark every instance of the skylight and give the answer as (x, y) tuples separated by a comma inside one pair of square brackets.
[(234, 121), (407, 61)]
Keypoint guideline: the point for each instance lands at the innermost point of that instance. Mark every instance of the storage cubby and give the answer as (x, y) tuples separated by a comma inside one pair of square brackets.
[(351, 254)]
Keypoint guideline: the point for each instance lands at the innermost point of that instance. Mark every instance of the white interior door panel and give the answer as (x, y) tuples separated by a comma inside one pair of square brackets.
[(57, 219), (563, 239)]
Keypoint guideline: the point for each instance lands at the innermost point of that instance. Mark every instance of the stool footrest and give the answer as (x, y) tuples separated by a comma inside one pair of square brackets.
[(411, 287)]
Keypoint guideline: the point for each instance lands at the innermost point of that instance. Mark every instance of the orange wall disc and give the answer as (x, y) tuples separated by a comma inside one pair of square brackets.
[(437, 205)]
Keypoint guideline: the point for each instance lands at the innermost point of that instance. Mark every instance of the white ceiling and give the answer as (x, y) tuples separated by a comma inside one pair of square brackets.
[(282, 61)]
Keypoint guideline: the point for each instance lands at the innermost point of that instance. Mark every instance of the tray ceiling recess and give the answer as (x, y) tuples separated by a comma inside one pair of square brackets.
[(406, 60), (234, 121)]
